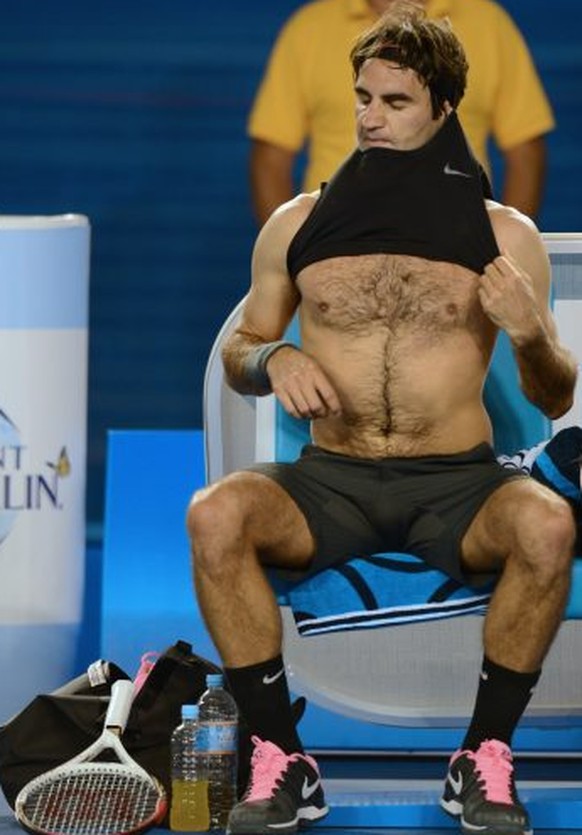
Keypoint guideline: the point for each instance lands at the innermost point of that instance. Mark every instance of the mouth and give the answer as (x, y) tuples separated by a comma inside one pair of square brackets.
[(375, 142)]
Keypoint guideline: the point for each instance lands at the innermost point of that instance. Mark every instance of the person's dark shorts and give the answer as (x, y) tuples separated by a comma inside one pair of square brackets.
[(421, 506)]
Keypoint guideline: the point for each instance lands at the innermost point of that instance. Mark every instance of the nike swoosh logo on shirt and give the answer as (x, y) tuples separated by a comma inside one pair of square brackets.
[(454, 172), (272, 679)]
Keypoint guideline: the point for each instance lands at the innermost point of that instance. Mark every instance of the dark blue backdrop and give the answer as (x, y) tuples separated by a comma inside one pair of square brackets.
[(134, 113)]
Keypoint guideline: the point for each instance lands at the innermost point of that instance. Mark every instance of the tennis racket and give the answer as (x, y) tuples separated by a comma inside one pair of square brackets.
[(91, 795)]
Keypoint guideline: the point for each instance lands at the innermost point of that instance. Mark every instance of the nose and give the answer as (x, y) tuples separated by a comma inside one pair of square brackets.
[(372, 115)]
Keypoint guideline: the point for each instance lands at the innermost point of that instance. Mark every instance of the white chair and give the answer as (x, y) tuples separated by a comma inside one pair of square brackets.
[(421, 673)]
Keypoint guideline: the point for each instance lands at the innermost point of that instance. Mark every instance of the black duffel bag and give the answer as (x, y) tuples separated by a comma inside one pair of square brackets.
[(59, 725)]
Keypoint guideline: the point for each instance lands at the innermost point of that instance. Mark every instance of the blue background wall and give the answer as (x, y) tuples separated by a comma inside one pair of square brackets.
[(134, 113)]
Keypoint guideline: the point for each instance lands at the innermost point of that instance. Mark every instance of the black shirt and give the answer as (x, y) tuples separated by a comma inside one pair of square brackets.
[(427, 202)]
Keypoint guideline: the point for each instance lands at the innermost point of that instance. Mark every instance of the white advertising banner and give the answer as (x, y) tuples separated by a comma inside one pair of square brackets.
[(44, 283)]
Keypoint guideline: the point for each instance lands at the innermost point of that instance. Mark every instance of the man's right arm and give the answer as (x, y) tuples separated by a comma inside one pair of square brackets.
[(256, 358), (278, 123), (267, 310), (271, 177)]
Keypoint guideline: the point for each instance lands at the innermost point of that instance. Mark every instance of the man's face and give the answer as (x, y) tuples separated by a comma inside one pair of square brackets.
[(393, 108)]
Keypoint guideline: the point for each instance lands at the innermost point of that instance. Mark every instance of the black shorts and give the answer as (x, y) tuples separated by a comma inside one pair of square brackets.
[(421, 505)]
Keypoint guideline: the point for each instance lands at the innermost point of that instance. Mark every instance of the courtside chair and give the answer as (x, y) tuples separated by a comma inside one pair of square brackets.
[(400, 645)]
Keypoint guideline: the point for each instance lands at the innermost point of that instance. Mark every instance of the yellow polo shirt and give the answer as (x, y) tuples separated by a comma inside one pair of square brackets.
[(306, 94)]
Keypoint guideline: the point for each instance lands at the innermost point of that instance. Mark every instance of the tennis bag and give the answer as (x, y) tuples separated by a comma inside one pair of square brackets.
[(55, 727)]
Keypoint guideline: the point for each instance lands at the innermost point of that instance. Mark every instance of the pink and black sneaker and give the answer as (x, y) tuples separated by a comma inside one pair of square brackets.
[(480, 790), (284, 792)]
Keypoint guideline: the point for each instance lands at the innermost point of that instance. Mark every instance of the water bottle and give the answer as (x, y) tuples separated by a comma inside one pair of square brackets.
[(218, 734), (189, 808)]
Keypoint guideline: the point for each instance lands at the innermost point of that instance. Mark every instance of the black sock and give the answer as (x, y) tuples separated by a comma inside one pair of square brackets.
[(502, 697), (262, 695)]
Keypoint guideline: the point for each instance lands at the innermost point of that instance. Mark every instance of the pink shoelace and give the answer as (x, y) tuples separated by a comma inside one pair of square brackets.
[(494, 766), (267, 765)]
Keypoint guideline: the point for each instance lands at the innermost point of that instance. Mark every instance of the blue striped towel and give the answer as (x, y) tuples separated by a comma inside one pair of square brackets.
[(393, 588), (380, 590)]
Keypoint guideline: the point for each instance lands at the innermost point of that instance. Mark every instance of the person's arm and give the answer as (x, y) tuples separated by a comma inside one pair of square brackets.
[(256, 358), (514, 293), (524, 176), (522, 114), (271, 178), (279, 123)]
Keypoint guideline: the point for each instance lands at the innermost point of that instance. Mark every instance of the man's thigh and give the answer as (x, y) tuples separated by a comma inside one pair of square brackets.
[(252, 508), (492, 534), (323, 493)]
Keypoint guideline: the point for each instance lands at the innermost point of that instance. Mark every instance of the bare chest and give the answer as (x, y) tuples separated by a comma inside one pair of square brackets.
[(397, 293)]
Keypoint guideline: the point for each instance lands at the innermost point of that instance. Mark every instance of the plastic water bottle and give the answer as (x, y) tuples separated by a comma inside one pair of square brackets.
[(218, 735), (189, 808)]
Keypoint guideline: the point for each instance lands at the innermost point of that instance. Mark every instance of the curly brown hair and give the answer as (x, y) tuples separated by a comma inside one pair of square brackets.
[(404, 36)]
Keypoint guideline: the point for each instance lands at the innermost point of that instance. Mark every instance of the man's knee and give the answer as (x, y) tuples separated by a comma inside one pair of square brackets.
[(208, 511), (546, 533), (215, 522)]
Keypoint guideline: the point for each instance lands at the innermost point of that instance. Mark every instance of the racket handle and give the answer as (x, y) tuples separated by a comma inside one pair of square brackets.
[(119, 704)]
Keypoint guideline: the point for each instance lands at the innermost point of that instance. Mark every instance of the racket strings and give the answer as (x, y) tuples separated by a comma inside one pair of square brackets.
[(106, 801)]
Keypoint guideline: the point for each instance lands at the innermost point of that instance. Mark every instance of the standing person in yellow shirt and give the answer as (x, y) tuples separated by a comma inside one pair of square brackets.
[(305, 98)]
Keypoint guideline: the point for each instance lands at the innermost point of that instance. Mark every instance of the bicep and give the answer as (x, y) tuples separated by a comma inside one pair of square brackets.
[(268, 307), (526, 246), (273, 296)]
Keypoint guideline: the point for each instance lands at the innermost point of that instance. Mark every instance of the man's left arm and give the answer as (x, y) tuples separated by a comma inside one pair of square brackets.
[(515, 293), (521, 117), (524, 175)]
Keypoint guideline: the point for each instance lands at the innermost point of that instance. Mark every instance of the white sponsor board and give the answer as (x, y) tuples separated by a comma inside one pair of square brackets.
[(43, 416)]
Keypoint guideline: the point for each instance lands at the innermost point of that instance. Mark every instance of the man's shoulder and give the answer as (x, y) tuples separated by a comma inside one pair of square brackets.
[(508, 215), (512, 228), (288, 218), (299, 207)]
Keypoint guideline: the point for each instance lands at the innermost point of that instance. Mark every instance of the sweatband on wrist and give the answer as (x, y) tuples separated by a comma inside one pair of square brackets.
[(256, 364)]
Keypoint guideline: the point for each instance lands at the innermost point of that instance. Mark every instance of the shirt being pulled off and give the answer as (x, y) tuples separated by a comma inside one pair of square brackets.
[(428, 202)]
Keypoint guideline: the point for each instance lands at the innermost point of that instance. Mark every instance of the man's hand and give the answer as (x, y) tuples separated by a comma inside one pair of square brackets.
[(301, 386), (507, 296)]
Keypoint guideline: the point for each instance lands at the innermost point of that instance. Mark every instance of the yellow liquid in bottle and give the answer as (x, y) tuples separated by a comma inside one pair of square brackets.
[(189, 810)]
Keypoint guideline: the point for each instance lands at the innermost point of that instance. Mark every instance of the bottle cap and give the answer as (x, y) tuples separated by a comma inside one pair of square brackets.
[(189, 711), (214, 680)]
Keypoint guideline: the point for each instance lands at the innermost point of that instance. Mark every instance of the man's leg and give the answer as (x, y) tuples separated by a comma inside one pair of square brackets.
[(529, 532), (234, 525)]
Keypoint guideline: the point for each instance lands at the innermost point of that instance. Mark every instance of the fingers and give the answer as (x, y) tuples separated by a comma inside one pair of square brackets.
[(302, 388), (503, 278), (305, 400), (502, 268), (507, 297)]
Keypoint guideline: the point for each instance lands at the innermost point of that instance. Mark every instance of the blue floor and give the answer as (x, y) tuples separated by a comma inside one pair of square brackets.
[(404, 792), (391, 806), (400, 796), (10, 827)]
